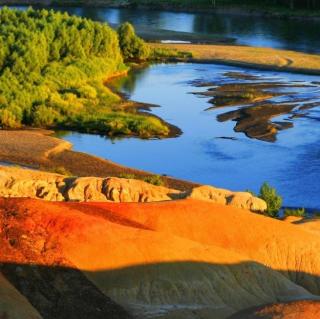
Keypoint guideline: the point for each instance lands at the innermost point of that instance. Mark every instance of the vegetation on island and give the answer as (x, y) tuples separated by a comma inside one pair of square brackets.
[(52, 68)]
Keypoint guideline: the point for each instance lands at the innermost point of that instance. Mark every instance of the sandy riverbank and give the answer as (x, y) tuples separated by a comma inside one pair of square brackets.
[(249, 57)]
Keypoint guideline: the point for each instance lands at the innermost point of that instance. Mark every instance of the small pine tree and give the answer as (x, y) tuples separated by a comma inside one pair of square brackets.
[(273, 200)]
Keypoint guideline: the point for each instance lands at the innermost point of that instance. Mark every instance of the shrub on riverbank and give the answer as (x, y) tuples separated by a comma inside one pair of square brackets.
[(52, 68), (273, 200), (160, 54), (132, 47)]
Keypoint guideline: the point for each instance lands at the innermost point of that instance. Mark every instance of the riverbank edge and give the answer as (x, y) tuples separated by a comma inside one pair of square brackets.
[(62, 157), (279, 13), (195, 50), (253, 66)]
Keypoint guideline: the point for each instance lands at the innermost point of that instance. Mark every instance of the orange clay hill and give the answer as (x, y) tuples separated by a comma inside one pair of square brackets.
[(180, 259)]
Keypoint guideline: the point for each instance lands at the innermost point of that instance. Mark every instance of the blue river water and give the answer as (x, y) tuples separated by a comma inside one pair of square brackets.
[(291, 164)]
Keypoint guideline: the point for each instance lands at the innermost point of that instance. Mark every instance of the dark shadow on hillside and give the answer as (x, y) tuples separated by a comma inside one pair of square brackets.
[(66, 293), (61, 293)]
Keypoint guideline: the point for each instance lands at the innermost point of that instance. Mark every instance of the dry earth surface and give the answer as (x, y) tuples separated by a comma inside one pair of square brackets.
[(265, 58), (175, 259)]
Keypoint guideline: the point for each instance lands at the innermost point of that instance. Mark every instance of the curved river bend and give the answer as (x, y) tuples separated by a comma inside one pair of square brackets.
[(291, 164)]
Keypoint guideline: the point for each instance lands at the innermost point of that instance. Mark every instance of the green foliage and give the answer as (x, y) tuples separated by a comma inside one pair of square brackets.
[(132, 47), (52, 68), (61, 171), (156, 180), (128, 176), (273, 200), (165, 54), (299, 212)]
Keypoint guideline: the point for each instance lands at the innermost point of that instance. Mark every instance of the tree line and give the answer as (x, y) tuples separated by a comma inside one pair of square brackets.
[(52, 67)]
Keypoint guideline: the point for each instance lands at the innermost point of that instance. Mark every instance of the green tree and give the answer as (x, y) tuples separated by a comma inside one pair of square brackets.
[(132, 47), (273, 200), (52, 69)]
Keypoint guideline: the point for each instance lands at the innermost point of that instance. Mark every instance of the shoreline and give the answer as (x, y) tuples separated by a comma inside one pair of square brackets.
[(15, 147), (247, 57), (55, 153)]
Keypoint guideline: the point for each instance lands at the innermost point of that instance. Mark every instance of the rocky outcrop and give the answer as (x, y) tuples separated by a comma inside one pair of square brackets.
[(116, 190), (16, 182), (225, 197)]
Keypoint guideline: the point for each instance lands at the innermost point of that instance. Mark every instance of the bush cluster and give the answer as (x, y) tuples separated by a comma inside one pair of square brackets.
[(132, 47), (52, 68)]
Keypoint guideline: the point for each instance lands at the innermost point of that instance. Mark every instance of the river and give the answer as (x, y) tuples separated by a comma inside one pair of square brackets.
[(210, 151), (291, 164)]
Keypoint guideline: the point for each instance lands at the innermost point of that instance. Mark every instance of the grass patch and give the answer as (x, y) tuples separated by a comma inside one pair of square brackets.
[(162, 53), (299, 212), (61, 171), (156, 180)]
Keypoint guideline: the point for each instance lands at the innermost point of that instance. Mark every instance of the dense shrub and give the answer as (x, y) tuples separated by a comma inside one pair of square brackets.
[(273, 200), (132, 47), (52, 68)]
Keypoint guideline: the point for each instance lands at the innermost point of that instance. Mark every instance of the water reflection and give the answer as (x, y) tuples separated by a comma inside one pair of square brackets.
[(293, 34)]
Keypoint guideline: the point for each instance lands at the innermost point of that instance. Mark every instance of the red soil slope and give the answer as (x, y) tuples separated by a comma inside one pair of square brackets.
[(178, 259)]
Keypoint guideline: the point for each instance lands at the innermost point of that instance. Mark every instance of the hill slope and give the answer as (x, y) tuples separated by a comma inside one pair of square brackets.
[(178, 259)]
